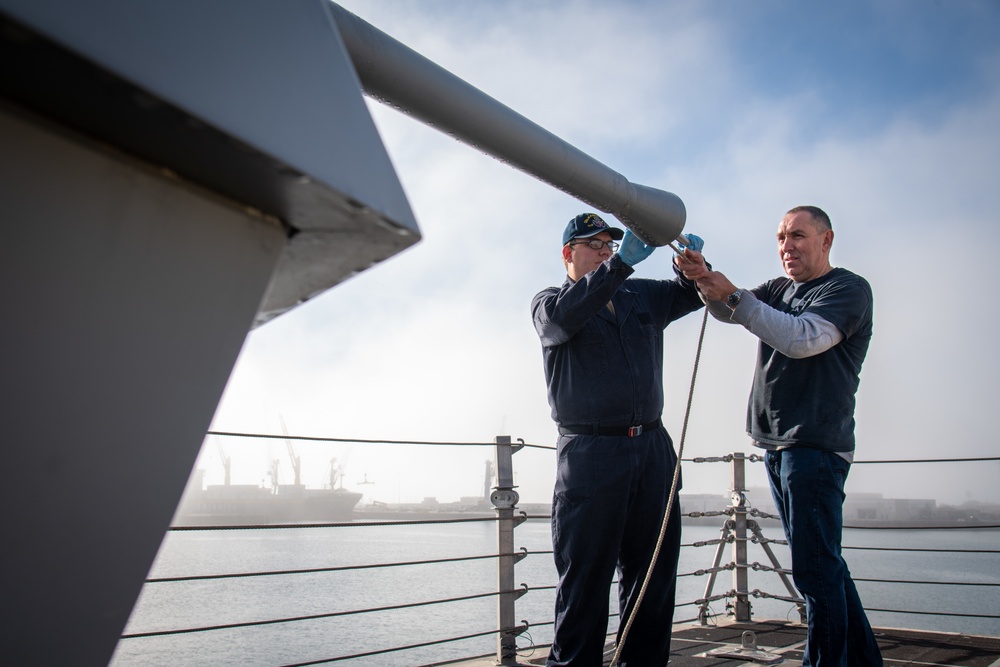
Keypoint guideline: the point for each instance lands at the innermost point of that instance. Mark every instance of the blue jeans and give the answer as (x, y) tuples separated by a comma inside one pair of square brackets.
[(607, 510), (808, 489)]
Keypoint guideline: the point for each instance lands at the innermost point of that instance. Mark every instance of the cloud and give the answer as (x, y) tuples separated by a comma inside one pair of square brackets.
[(437, 343)]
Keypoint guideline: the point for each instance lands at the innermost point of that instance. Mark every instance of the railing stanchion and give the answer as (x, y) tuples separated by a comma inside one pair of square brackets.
[(740, 580), (704, 614), (504, 499)]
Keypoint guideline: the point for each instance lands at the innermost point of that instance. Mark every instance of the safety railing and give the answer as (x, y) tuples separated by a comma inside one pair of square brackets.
[(741, 526), (453, 633)]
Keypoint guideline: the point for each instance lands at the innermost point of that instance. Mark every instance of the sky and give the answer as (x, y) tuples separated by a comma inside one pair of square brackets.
[(886, 115)]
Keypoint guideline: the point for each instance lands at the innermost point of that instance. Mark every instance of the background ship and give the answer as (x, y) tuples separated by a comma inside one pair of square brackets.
[(250, 504)]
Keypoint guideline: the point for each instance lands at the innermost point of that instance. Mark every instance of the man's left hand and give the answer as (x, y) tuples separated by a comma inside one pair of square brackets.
[(632, 250)]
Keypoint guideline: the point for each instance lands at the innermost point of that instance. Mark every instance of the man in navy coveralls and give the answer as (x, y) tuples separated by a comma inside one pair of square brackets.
[(602, 344)]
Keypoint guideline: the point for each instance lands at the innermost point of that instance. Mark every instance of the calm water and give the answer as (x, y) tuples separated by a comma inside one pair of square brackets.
[(166, 606)]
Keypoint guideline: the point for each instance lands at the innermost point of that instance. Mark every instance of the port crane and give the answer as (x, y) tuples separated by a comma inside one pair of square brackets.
[(335, 474), (226, 463), (296, 463), (488, 480), (272, 472), (296, 460)]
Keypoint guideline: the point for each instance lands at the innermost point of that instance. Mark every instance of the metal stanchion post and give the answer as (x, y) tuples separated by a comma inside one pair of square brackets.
[(740, 583), (504, 499)]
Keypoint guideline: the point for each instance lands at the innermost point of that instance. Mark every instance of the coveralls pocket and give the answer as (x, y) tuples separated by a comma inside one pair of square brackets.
[(576, 469), (648, 343)]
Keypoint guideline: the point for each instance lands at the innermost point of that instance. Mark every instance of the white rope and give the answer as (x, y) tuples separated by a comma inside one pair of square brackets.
[(670, 499)]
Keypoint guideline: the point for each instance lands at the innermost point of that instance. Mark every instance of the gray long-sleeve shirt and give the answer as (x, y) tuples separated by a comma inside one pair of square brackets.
[(814, 338)]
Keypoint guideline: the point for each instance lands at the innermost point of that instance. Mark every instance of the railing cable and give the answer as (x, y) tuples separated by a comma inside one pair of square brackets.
[(927, 549), (314, 570), (933, 583), (978, 526), (755, 458), (968, 460), (365, 441), (761, 594), (932, 613), (311, 617), (409, 647), (347, 524)]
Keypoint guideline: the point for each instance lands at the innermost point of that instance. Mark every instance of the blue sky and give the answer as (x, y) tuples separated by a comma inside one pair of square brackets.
[(885, 114)]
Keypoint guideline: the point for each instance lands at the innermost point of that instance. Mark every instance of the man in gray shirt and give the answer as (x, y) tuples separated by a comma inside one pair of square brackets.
[(814, 328)]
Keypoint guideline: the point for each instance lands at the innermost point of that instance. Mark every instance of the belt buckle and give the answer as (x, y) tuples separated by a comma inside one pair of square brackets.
[(634, 431)]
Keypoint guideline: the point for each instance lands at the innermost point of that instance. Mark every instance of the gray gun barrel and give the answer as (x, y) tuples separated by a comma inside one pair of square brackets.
[(394, 74)]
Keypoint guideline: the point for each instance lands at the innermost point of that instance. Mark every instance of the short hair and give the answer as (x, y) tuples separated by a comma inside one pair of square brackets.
[(819, 216)]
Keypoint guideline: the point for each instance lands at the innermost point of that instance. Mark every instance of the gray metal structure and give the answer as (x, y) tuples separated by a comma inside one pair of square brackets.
[(504, 498), (173, 174)]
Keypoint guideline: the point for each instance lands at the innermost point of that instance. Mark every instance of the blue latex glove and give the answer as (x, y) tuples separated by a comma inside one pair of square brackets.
[(695, 243), (632, 250)]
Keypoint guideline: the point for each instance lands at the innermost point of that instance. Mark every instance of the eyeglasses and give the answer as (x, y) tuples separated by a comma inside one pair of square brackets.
[(597, 244)]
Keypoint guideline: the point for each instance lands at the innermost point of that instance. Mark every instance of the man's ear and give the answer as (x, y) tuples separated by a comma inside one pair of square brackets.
[(828, 241), (566, 252)]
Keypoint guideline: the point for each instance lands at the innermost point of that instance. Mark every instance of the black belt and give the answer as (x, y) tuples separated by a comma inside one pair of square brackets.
[(630, 431)]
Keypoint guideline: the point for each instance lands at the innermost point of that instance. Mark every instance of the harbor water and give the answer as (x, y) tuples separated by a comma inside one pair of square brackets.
[(204, 603)]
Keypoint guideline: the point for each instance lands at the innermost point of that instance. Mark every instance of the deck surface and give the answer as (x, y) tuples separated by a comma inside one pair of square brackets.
[(781, 643)]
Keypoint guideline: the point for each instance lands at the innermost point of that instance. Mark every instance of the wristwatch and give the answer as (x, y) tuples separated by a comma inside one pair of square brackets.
[(733, 299)]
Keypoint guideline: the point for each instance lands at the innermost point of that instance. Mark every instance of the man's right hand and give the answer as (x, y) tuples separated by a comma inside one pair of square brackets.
[(693, 265), (714, 285)]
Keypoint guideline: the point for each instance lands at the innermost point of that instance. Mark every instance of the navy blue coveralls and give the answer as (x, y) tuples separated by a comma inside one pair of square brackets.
[(604, 372)]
